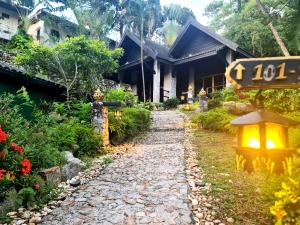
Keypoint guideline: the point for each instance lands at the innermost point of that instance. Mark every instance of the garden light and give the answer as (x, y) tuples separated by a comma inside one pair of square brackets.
[(182, 98), (262, 134), (118, 115)]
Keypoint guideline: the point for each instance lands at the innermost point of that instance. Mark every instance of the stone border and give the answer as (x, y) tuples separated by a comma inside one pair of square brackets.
[(202, 203)]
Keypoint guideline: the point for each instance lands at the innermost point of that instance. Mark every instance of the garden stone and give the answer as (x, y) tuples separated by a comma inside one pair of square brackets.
[(53, 175), (75, 182), (230, 220), (72, 167)]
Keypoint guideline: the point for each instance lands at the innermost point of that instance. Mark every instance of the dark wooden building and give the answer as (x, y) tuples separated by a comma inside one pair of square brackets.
[(12, 79), (197, 59)]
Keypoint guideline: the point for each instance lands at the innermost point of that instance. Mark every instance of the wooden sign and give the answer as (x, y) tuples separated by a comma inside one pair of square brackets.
[(263, 73)]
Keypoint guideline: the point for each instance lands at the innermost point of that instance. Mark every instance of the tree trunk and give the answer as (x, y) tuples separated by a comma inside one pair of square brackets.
[(142, 58), (273, 29)]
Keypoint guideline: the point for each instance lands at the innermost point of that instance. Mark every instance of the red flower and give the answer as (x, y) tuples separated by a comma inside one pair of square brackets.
[(16, 147), (1, 174), (2, 136), (26, 167), (37, 187)]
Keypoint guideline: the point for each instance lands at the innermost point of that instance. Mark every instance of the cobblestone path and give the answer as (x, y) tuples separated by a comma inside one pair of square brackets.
[(145, 186)]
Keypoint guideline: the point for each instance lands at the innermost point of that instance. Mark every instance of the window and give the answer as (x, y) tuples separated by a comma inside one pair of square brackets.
[(5, 16), (55, 34), (38, 34)]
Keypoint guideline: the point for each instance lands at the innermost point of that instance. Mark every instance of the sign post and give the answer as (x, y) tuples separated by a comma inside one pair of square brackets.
[(265, 73)]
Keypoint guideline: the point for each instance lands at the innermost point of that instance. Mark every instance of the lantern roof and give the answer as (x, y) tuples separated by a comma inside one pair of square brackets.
[(262, 116)]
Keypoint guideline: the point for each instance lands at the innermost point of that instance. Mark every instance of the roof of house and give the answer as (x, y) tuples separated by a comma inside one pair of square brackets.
[(7, 67), (155, 50)]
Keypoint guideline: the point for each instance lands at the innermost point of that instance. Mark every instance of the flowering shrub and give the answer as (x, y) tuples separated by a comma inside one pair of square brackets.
[(287, 205), (12, 162)]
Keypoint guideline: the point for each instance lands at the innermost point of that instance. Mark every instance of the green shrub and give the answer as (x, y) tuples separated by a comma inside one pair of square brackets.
[(284, 100), (26, 197), (134, 120), (213, 103), (20, 41), (80, 138), (216, 120), (147, 105), (287, 204), (229, 94), (171, 103), (294, 132), (121, 95)]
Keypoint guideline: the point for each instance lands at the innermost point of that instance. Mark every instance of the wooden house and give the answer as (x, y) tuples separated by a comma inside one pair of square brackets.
[(197, 59)]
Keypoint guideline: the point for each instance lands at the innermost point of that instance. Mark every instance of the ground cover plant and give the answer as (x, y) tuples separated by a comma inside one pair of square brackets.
[(256, 198)]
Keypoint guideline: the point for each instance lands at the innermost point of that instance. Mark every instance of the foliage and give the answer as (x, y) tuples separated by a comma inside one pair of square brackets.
[(20, 41), (171, 103), (13, 165), (175, 12), (121, 95), (133, 121), (216, 120), (77, 63), (147, 105), (285, 100), (248, 27), (213, 103), (294, 132), (170, 32), (26, 197), (287, 204)]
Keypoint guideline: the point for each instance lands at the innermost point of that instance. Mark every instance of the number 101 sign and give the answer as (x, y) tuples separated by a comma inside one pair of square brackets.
[(265, 73)]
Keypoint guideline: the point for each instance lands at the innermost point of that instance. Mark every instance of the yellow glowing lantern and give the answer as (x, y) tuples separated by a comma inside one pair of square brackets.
[(263, 134), (118, 115), (182, 98)]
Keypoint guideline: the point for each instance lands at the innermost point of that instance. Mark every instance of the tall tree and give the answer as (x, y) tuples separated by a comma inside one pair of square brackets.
[(78, 63), (273, 29), (249, 28)]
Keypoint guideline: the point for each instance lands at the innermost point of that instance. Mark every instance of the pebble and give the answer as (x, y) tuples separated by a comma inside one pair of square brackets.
[(230, 220)]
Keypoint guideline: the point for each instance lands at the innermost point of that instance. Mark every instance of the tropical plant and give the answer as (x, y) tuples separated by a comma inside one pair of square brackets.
[(77, 63)]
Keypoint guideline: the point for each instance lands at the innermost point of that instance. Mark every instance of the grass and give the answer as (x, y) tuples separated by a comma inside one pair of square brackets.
[(242, 196)]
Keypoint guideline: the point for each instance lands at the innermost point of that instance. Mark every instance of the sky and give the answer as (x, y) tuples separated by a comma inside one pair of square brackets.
[(197, 6)]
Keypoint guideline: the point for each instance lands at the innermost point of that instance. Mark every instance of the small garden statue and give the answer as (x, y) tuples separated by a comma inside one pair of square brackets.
[(100, 116), (203, 100)]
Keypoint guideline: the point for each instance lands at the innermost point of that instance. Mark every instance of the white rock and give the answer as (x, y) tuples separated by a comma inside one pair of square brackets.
[(35, 220), (194, 202), (11, 214), (199, 215), (230, 220)]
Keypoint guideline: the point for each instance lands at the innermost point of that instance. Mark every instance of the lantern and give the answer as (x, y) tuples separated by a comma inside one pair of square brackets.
[(182, 98), (118, 114), (262, 135)]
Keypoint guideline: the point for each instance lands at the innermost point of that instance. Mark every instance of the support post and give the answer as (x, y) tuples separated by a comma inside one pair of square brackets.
[(156, 82), (169, 84)]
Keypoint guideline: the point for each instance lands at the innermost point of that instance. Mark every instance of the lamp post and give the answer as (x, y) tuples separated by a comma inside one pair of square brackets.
[(262, 135), (100, 114)]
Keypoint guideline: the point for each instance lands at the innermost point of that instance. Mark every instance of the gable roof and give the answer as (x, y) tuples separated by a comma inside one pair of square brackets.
[(194, 23), (156, 51)]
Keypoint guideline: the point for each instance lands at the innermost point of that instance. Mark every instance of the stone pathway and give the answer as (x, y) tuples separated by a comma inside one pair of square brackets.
[(145, 186)]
